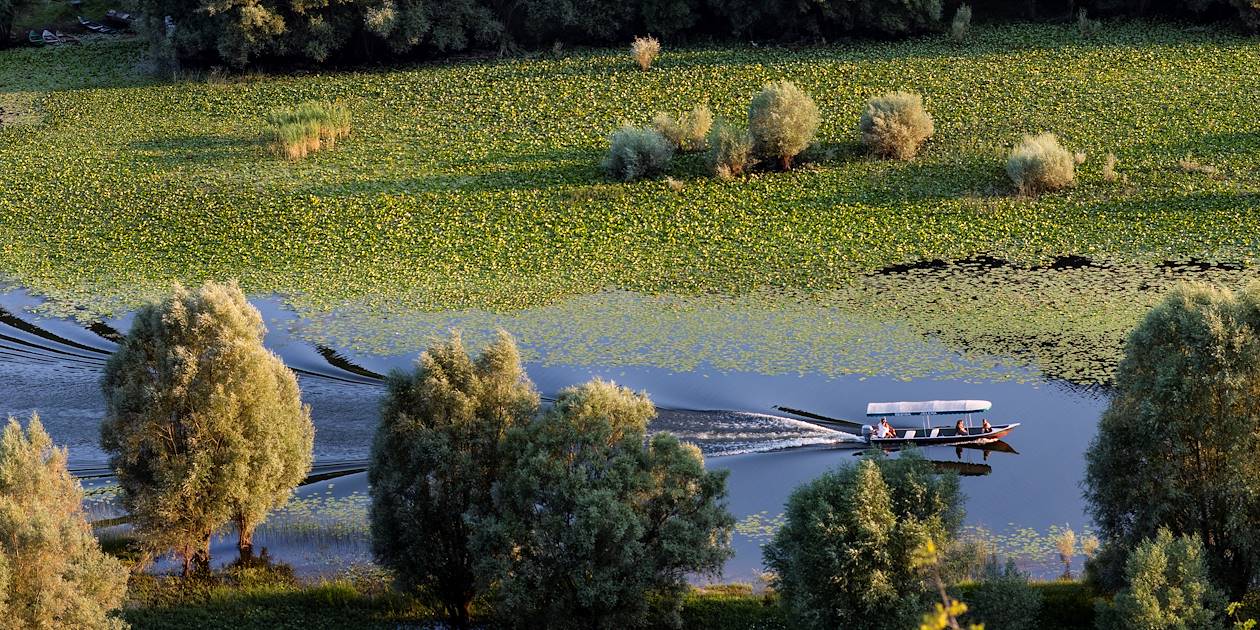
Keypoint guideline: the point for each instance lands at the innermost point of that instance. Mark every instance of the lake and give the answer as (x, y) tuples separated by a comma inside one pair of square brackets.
[(52, 365)]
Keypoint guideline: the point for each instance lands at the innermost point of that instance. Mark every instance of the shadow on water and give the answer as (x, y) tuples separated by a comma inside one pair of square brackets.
[(53, 366)]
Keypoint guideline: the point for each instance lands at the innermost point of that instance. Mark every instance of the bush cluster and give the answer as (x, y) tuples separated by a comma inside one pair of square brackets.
[(1039, 163), (637, 152), (688, 132), (730, 150), (569, 518), (782, 121), (895, 125)]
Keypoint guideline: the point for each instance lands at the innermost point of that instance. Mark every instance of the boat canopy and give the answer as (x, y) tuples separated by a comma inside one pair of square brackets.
[(927, 407)]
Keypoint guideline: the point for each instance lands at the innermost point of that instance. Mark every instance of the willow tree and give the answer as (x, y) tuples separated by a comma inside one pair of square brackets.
[(1177, 447), (52, 572), (844, 557), (435, 459), (594, 523), (203, 424)]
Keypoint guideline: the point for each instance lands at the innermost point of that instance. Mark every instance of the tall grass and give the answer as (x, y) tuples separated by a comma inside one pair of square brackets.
[(307, 127)]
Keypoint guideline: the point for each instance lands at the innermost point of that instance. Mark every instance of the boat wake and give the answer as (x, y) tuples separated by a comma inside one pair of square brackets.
[(737, 432)]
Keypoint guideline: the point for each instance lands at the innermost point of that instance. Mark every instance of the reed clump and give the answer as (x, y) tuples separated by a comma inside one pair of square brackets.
[(298, 131)]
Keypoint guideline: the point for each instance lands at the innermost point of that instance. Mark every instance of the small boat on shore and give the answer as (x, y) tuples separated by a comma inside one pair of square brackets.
[(962, 432), (119, 18), (34, 38), (50, 38), (95, 27)]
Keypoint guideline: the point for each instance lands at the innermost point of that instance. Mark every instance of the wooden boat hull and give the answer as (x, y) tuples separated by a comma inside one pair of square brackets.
[(942, 436)]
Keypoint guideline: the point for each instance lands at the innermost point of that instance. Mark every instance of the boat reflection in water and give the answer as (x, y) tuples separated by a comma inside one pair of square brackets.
[(960, 465)]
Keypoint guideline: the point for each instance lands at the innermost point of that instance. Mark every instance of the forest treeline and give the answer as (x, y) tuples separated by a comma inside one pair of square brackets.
[(241, 32)]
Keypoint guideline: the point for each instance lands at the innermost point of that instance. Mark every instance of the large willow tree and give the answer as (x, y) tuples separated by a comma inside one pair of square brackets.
[(594, 523), (52, 572), (437, 455), (1179, 447), (203, 424)]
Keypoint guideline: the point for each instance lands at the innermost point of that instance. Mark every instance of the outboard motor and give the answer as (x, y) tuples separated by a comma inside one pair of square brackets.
[(868, 432)]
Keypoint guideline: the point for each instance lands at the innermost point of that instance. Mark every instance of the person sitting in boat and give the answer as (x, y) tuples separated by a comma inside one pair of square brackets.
[(959, 429), (886, 429), (985, 427), (880, 431)]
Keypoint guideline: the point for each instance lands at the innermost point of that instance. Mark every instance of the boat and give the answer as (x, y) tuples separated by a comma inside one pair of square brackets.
[(924, 435), (67, 39), (118, 17), (95, 27), (49, 38), (34, 38)]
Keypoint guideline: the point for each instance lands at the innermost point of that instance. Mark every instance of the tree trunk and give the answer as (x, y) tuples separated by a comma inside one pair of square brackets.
[(201, 558), (245, 539), (785, 162)]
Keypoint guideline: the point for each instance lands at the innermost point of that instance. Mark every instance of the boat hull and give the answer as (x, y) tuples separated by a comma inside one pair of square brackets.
[(942, 436)]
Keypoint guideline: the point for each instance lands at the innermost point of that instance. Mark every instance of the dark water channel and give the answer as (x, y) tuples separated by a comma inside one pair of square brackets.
[(53, 366)]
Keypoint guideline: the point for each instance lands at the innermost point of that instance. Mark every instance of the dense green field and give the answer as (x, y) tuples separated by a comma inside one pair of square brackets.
[(476, 184)]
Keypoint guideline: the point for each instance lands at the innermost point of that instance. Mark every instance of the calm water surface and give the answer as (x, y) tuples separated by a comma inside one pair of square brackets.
[(53, 366)]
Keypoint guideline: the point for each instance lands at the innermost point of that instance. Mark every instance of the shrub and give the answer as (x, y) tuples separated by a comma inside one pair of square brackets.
[(1002, 599), (845, 556), (1190, 369), (593, 522), (895, 125), (1065, 546), (782, 121), (203, 424), (53, 573), (298, 131), (1039, 163), (687, 133), (645, 50), (1086, 27), (960, 27), (1109, 168), (635, 153), (730, 150), (436, 457), (1168, 587)]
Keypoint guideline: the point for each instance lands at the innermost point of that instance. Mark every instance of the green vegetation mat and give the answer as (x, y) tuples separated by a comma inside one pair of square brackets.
[(475, 185)]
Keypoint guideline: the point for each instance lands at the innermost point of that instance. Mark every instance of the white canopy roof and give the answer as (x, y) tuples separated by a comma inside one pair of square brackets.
[(927, 407)]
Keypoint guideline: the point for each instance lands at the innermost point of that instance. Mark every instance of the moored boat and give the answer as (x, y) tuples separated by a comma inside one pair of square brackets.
[(34, 38), (50, 38)]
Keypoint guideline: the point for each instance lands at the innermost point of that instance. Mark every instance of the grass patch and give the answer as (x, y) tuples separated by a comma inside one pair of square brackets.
[(305, 128), (268, 597)]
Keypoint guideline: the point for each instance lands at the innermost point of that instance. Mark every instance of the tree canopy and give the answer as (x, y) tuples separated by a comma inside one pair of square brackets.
[(53, 573), (845, 555), (1177, 446), (593, 521), (436, 456), (203, 424)]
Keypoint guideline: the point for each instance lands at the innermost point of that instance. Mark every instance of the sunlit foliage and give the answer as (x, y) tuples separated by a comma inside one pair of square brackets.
[(645, 50), (1040, 164), (1168, 587), (845, 556), (203, 424), (1176, 447), (730, 150), (594, 524), (302, 129), (688, 132), (895, 125), (52, 571), (782, 120)]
